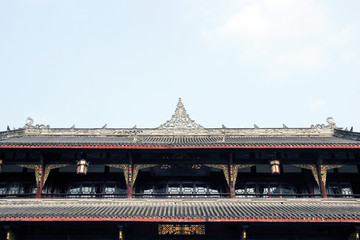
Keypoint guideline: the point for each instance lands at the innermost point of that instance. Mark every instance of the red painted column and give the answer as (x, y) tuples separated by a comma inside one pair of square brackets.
[(321, 183), (41, 174), (130, 185), (231, 177)]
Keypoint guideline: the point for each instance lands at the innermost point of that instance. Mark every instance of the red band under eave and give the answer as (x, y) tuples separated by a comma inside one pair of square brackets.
[(113, 219), (254, 146)]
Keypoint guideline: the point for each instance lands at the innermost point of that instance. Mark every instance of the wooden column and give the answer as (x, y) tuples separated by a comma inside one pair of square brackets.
[(230, 172), (320, 173), (231, 177), (130, 185), (39, 171), (42, 172)]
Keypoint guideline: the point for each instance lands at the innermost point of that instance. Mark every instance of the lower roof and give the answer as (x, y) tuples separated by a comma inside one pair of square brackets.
[(181, 210)]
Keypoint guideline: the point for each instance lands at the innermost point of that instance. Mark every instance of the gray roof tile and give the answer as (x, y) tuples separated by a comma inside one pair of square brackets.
[(175, 210)]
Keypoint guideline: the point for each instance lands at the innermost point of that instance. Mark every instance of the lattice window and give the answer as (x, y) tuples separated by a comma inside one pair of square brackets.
[(346, 189), (333, 188), (187, 188), (109, 189), (287, 189), (87, 189), (3, 189), (201, 189), (174, 188), (74, 189), (13, 189), (213, 189), (274, 188)]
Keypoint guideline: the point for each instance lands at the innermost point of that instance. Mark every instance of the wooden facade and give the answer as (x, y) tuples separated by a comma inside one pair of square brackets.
[(178, 181)]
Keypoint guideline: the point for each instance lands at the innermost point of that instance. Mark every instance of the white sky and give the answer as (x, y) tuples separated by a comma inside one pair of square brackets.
[(87, 62)]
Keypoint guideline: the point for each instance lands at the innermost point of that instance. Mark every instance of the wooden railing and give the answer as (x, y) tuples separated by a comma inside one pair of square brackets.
[(168, 195)]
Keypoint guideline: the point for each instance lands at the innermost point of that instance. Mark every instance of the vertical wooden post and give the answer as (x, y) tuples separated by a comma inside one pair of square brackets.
[(231, 177), (40, 172), (129, 184), (320, 179)]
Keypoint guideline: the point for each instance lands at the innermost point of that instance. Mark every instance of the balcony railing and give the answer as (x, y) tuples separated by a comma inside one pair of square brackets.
[(168, 195)]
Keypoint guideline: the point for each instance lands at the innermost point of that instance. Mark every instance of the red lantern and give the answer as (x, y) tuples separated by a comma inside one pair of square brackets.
[(275, 167), (82, 166)]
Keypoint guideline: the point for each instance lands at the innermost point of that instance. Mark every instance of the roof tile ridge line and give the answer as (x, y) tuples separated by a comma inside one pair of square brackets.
[(12, 133), (347, 134)]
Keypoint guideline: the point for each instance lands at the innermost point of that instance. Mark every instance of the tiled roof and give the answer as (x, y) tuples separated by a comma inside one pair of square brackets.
[(165, 141), (180, 210)]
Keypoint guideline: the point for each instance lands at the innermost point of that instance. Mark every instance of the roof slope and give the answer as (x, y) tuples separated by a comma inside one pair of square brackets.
[(186, 210)]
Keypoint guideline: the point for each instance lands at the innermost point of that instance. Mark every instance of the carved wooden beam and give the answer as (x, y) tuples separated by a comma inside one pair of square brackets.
[(234, 169), (313, 169), (39, 171), (127, 170), (125, 167)]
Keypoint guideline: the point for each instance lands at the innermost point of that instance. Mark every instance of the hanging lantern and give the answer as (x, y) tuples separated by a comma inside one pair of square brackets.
[(10, 235), (82, 166), (243, 233), (1, 165), (355, 235), (275, 167), (121, 234)]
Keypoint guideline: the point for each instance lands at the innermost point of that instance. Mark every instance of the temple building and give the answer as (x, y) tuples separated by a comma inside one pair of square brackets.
[(179, 181)]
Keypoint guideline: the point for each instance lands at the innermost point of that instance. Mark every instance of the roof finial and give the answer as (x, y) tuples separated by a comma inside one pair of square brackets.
[(180, 119)]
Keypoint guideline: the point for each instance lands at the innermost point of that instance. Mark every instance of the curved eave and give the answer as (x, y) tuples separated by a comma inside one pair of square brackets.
[(169, 146)]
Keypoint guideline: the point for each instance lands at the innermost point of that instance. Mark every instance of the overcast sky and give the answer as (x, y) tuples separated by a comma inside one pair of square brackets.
[(87, 62)]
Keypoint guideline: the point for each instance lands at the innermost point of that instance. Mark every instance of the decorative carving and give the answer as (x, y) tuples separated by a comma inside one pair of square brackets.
[(256, 126), (329, 120), (137, 167), (30, 124), (284, 126), (180, 119), (131, 174), (49, 167), (125, 167), (196, 166), (39, 171), (171, 229), (313, 169), (165, 166), (223, 167), (234, 169)]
